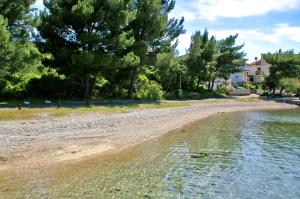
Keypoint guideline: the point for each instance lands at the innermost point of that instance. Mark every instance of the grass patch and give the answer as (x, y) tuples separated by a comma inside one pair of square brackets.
[(165, 105), (215, 101), (14, 114), (29, 113), (247, 99)]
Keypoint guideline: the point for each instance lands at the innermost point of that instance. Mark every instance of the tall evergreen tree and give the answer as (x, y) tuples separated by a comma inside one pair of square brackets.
[(153, 31), (18, 53), (6, 47), (20, 20), (284, 65), (87, 36), (170, 69), (202, 57), (230, 58)]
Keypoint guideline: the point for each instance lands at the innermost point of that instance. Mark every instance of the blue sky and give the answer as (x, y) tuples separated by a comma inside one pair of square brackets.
[(263, 25)]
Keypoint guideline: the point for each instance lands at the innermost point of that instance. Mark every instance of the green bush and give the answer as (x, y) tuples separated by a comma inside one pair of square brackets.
[(253, 86), (148, 89), (52, 86), (290, 85), (14, 86), (248, 85), (225, 89), (47, 86), (170, 96), (192, 95), (203, 94)]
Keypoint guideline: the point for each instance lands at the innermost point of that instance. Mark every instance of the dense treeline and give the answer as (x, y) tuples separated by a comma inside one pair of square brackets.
[(285, 71), (106, 48)]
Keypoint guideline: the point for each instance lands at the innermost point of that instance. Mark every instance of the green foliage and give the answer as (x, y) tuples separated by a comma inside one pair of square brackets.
[(290, 85), (110, 48), (148, 89), (7, 49), (202, 57), (284, 65), (51, 85), (153, 32), (249, 85), (169, 71), (19, 17), (14, 86), (202, 94), (225, 89), (230, 57), (19, 62), (87, 37), (209, 59)]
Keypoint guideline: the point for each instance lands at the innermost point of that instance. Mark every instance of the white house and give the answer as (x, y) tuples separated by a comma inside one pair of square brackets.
[(254, 72), (241, 77)]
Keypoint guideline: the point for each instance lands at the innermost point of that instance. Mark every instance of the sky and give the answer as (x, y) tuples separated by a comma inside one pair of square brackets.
[(262, 25)]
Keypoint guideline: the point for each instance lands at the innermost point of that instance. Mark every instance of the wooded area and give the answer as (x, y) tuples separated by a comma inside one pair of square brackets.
[(79, 49)]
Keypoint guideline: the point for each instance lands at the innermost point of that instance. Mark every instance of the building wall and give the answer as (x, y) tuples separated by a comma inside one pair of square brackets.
[(254, 72), (238, 78)]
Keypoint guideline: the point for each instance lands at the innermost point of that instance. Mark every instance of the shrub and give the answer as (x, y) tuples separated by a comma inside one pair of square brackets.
[(192, 95), (290, 85), (250, 86), (170, 96), (14, 86), (47, 86), (203, 94), (148, 89), (225, 89), (52, 86)]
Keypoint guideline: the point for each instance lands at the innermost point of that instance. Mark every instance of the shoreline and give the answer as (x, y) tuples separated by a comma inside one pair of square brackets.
[(47, 142)]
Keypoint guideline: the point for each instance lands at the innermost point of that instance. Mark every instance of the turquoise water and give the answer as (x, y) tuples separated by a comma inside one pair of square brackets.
[(237, 155)]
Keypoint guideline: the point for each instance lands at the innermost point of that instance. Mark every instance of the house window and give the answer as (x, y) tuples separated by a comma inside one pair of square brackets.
[(251, 78)]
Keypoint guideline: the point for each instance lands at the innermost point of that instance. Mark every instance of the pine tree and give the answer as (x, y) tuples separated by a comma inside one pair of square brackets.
[(19, 15), (16, 56), (86, 37), (283, 65), (153, 32), (202, 57), (230, 58), (7, 48)]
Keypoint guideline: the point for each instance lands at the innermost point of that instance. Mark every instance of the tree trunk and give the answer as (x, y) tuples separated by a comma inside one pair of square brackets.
[(87, 87), (281, 90), (209, 85), (133, 79), (212, 84)]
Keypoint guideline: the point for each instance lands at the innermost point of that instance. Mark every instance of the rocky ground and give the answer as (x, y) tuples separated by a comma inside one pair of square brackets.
[(47, 140)]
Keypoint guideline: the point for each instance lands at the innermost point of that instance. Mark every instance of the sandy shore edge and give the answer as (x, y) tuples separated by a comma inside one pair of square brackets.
[(43, 142)]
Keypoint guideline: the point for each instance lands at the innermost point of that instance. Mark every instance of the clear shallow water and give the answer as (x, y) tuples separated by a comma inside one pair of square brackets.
[(237, 155)]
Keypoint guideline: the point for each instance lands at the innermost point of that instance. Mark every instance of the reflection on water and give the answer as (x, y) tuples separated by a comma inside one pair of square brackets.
[(237, 155)]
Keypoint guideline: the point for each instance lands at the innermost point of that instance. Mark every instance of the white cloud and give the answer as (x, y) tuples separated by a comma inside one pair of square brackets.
[(213, 9), (256, 41), (188, 16), (184, 43), (290, 32), (245, 35), (276, 35)]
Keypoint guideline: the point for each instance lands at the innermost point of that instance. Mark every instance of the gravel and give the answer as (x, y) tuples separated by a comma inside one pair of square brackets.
[(54, 137)]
